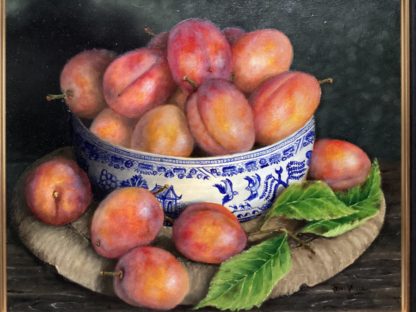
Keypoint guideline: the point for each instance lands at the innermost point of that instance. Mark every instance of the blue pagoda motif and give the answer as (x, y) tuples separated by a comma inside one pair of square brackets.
[(167, 197)]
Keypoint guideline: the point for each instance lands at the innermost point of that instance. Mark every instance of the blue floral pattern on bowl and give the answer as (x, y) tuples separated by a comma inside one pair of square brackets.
[(246, 183)]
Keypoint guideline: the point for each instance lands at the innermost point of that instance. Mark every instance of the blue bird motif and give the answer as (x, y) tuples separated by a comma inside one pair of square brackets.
[(226, 188), (253, 186)]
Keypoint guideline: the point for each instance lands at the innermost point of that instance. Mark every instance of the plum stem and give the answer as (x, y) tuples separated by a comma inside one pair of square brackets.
[(55, 194), (326, 80), (149, 31), (62, 96), (51, 97), (191, 82), (119, 274)]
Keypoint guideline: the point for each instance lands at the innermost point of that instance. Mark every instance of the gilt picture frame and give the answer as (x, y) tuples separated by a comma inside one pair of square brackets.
[(366, 48)]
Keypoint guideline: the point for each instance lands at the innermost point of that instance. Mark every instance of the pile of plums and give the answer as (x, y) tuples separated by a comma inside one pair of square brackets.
[(124, 225), (129, 219), (224, 90), (221, 90)]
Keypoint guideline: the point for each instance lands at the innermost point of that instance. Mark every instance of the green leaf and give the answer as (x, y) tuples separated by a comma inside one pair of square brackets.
[(336, 227), (366, 195), (364, 199), (308, 201), (247, 279)]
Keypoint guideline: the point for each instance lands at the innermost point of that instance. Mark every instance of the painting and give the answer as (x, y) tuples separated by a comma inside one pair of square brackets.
[(353, 60)]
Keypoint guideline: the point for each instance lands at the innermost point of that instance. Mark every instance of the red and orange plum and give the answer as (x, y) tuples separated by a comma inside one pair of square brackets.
[(113, 127), (81, 82), (163, 130), (126, 218), (339, 163), (151, 277), (58, 191), (197, 51), (137, 81), (283, 104), (220, 118), (259, 55), (208, 233), (233, 34)]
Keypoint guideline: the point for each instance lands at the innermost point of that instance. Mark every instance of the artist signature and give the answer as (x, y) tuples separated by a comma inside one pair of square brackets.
[(347, 288)]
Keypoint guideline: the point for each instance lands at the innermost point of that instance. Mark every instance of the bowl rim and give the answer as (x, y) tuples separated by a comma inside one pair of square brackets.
[(254, 153)]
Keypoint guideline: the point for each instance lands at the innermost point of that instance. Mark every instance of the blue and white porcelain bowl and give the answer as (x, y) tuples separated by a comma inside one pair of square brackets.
[(246, 183)]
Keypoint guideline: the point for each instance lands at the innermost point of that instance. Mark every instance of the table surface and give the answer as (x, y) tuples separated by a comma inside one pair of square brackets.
[(372, 283)]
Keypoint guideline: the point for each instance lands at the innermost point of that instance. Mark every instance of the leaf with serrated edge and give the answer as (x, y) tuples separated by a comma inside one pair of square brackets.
[(308, 201), (333, 228), (247, 279), (368, 194), (365, 199)]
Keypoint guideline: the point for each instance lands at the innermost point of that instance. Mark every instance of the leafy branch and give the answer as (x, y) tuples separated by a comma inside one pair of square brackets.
[(247, 279)]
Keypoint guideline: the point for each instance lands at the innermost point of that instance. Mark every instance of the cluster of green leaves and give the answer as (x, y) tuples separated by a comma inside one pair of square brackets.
[(363, 200), (246, 280)]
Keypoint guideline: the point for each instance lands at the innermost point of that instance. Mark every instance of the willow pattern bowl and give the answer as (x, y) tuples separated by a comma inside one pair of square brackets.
[(246, 183)]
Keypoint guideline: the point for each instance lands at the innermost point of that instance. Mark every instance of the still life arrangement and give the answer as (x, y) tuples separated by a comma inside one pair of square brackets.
[(195, 177)]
